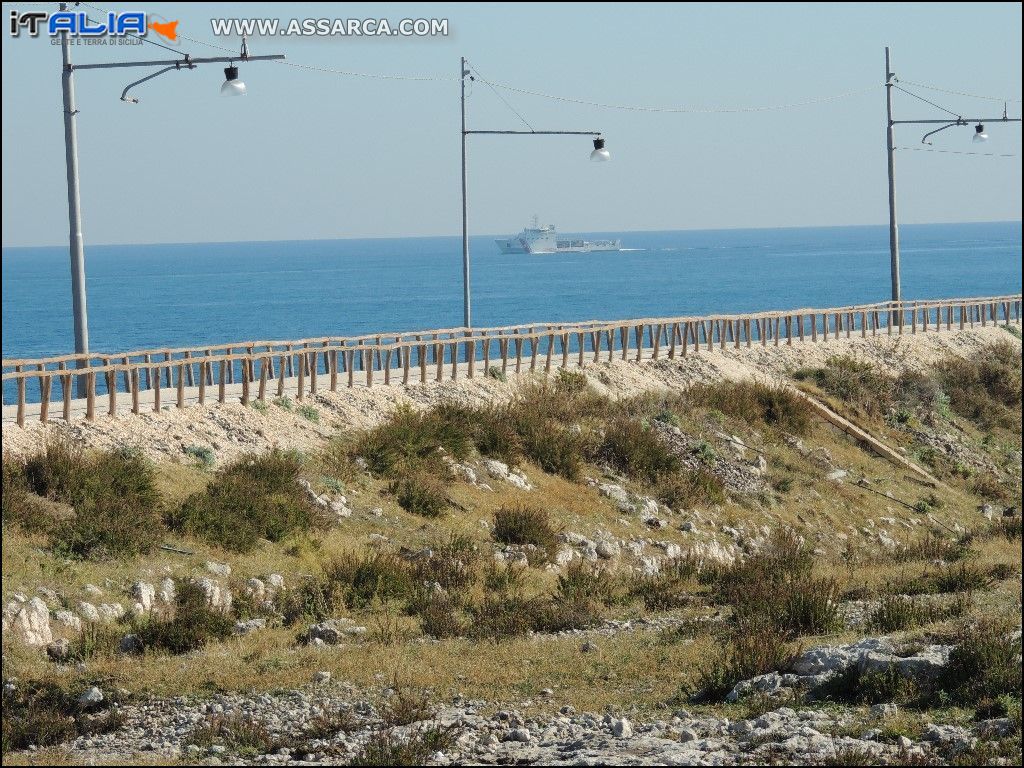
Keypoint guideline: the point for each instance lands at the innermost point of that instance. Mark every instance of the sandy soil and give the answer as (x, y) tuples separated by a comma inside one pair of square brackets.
[(231, 428)]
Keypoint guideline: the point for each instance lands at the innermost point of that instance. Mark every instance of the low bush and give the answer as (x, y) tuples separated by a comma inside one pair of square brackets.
[(364, 579), (896, 613), (855, 685), (256, 497), (775, 587), (117, 509), (984, 665), (440, 617), (689, 488), (43, 714), (749, 651), (420, 492), (406, 707), (986, 387), (411, 438), (386, 748), (756, 403), (582, 581), (635, 449), (192, 626), (203, 454), (857, 383), (239, 734), (521, 525), (453, 565), (672, 587)]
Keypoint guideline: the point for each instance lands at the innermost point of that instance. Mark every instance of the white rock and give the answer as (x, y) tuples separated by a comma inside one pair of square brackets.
[(276, 580), (521, 735), (340, 508), (68, 619), (218, 569), (322, 677), (110, 612), (622, 729), (607, 549), (616, 493), (216, 596), (145, 594), (167, 590), (92, 695), (29, 622), (518, 479), (565, 555), (256, 589), (837, 475), (88, 611), (495, 468), (92, 589)]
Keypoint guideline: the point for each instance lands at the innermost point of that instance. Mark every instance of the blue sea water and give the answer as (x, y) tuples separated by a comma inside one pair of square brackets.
[(144, 296)]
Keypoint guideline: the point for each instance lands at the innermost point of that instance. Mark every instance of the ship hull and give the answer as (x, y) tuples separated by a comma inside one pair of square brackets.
[(511, 246)]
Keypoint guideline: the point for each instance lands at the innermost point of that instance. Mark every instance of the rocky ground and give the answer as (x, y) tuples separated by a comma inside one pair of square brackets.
[(370, 686), (331, 723)]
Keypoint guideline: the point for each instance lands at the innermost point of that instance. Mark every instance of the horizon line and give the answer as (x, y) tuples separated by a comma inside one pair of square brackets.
[(595, 232)]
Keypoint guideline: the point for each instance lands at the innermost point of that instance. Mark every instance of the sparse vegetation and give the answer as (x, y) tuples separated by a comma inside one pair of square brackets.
[(203, 455), (115, 509), (255, 497), (192, 626), (523, 525)]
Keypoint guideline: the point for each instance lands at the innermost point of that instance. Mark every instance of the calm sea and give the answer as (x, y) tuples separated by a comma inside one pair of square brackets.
[(144, 296)]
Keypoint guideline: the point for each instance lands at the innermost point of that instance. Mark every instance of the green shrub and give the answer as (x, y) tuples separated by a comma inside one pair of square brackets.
[(985, 664), (193, 625), (493, 372), (749, 651), (690, 488), (17, 510), (986, 387), (202, 454), (857, 383), (570, 383), (896, 613), (440, 618), (406, 707), (672, 587), (498, 617), (309, 413), (587, 581), (363, 579), (117, 509), (755, 403), (260, 406), (256, 497), (520, 525), (420, 493), (43, 714), (453, 565), (385, 748), (855, 685), (284, 402), (237, 732), (409, 438), (775, 587), (635, 449)]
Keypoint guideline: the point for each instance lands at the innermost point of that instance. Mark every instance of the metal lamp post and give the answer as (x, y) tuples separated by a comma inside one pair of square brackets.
[(894, 235), (598, 148), (75, 238)]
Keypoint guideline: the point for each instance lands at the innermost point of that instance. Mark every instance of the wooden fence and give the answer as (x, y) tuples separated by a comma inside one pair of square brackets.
[(296, 368)]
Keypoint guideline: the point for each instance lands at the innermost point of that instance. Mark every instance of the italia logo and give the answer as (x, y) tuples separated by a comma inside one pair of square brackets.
[(80, 24)]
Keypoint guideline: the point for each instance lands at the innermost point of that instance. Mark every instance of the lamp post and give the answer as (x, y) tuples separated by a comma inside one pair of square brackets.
[(232, 86), (979, 136), (599, 154)]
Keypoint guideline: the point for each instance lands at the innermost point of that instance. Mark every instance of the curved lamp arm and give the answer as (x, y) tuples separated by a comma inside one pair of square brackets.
[(124, 94), (958, 121)]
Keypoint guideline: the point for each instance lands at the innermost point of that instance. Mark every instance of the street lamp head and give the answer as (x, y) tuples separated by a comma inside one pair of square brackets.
[(600, 154), (979, 133), (232, 85)]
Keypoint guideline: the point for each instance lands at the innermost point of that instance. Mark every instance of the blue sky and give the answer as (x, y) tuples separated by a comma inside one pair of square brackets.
[(314, 155)]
